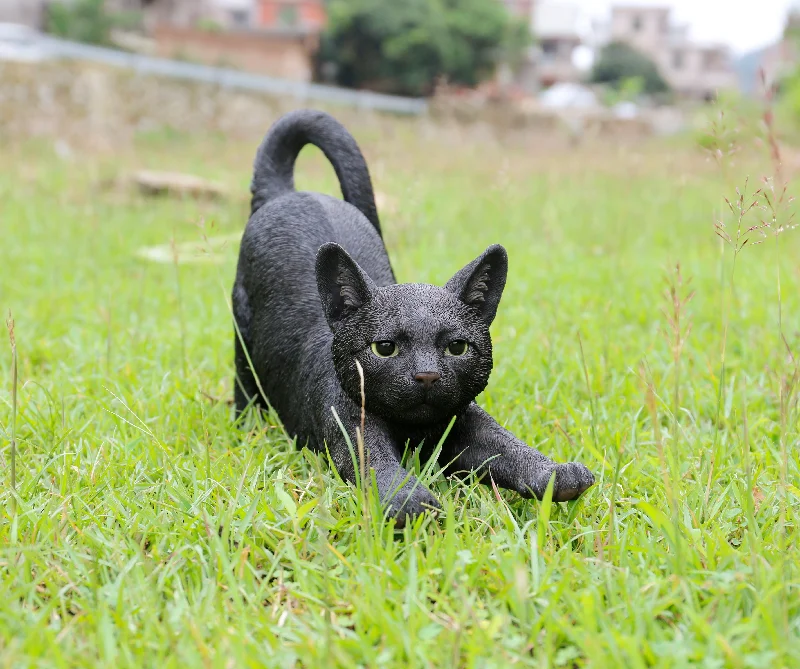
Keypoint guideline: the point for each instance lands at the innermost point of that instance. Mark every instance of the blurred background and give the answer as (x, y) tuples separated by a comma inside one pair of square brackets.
[(640, 67)]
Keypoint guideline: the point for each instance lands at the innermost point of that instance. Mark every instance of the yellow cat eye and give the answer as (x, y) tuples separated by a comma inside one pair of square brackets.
[(456, 348), (384, 349)]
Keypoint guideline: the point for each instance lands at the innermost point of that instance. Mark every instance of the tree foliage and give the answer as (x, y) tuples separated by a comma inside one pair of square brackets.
[(404, 46), (619, 63), (88, 20), (82, 21)]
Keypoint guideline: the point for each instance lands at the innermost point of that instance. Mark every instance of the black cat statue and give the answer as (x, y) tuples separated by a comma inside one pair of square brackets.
[(315, 298)]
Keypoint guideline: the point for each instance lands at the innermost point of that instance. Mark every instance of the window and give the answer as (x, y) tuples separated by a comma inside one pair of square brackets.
[(240, 18), (636, 23), (550, 47), (677, 60)]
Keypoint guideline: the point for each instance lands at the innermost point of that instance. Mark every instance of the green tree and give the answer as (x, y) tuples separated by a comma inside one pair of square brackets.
[(619, 64), (81, 20), (405, 46)]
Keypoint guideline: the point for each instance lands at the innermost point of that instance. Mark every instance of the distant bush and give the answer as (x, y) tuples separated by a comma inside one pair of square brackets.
[(88, 21), (406, 46), (82, 21), (619, 64)]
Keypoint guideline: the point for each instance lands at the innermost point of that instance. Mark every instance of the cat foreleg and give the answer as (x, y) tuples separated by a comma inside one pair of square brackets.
[(478, 443), (401, 493)]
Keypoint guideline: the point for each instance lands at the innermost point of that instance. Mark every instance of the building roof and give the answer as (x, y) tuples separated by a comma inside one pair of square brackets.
[(556, 19)]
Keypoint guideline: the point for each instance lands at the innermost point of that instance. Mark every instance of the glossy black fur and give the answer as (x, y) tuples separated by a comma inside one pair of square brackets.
[(314, 289)]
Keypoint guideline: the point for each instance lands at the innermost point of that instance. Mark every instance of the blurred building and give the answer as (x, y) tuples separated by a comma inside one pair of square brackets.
[(780, 59), (229, 14), (308, 14), (693, 70), (556, 30), (274, 37), (26, 12), (776, 62), (556, 27)]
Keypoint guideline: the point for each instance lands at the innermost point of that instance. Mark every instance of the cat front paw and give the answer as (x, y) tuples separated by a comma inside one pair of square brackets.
[(572, 480), (412, 500)]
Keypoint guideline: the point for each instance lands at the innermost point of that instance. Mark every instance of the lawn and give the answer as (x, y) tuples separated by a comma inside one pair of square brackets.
[(147, 530)]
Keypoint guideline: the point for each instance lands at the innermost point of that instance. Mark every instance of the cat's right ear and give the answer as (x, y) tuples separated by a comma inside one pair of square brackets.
[(343, 286)]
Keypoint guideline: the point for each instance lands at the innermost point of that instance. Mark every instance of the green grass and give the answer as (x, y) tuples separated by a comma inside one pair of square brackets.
[(151, 532)]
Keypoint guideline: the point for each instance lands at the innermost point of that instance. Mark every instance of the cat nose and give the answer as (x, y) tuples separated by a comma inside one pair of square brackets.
[(427, 379)]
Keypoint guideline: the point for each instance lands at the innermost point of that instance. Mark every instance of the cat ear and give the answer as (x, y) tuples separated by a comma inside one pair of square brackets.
[(343, 286), (480, 284)]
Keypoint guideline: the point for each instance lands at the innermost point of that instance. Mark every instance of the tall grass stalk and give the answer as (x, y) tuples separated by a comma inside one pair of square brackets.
[(176, 264), (741, 208), (677, 297), (776, 201), (107, 316), (748, 477), (612, 502), (723, 148), (14, 379), (589, 390), (667, 470), (360, 437)]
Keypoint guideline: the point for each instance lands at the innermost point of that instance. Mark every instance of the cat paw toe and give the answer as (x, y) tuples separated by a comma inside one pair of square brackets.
[(408, 505), (572, 480)]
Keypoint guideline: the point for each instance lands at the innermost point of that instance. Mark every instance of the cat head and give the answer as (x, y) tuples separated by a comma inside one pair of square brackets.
[(425, 351)]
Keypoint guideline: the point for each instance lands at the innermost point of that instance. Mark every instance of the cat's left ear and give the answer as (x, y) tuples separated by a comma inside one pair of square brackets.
[(480, 284)]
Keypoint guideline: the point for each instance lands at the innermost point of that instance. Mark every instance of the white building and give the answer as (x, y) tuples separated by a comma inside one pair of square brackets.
[(556, 27), (691, 69), (556, 30), (27, 12)]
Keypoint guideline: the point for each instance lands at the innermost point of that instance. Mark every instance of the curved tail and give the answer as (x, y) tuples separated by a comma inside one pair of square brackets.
[(273, 174)]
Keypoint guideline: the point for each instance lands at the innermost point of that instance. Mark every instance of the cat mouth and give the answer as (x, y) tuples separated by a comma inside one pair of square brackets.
[(423, 411), (427, 404)]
